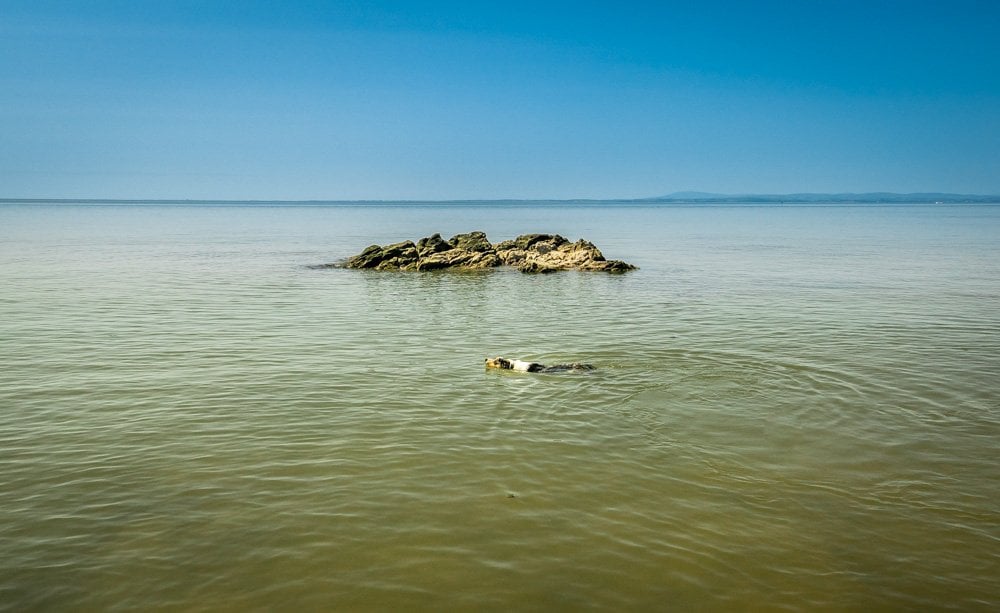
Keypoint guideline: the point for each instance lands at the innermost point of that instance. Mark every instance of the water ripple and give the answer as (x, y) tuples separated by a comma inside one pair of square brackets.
[(761, 430)]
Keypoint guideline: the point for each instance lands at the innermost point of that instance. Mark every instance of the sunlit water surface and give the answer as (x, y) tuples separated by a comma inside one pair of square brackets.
[(794, 408)]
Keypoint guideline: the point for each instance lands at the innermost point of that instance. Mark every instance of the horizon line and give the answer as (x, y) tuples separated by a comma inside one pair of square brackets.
[(676, 197)]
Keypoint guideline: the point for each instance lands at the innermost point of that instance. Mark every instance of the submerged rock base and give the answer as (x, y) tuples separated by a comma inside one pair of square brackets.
[(472, 251)]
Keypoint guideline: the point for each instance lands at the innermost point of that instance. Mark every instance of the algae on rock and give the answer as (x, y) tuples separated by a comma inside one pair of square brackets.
[(539, 253)]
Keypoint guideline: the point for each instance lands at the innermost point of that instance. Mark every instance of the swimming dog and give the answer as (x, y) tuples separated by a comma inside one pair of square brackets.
[(522, 366)]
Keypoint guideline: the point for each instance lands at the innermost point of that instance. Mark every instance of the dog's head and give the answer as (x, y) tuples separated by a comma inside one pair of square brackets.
[(498, 362)]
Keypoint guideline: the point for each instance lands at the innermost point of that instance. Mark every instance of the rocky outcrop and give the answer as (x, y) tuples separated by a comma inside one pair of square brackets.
[(528, 253)]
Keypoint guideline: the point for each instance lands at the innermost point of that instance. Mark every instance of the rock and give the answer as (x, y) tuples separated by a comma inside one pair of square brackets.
[(398, 255), (473, 241), (535, 266), (531, 253), (459, 258), (434, 262), (390, 257), (432, 244), (526, 241), (617, 266), (369, 258)]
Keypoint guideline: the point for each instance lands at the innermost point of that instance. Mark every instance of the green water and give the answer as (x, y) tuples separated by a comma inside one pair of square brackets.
[(794, 408)]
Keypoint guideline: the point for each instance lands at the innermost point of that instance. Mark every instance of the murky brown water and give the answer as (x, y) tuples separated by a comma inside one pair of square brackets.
[(794, 408)]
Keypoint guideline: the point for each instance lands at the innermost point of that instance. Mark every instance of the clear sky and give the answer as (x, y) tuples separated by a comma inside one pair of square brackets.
[(247, 99)]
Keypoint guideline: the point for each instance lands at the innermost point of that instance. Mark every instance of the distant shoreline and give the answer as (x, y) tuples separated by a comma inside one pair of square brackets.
[(706, 199)]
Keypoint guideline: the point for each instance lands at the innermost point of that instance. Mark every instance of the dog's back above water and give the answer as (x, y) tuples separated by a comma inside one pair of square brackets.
[(523, 366)]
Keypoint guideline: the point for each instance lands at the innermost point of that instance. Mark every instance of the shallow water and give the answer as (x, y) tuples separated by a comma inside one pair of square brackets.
[(794, 408)]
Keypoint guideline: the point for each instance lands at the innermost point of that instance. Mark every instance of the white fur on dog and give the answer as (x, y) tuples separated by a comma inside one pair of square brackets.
[(522, 366)]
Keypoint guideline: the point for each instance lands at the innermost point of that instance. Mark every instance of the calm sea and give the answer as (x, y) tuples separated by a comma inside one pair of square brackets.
[(795, 408)]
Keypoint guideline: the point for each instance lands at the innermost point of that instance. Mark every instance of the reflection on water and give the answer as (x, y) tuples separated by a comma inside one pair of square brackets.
[(794, 408)]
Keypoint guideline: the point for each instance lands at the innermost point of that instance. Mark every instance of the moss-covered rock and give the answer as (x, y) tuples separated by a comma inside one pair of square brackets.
[(531, 253)]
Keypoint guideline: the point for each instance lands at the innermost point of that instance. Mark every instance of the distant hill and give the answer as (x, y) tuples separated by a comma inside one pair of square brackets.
[(674, 198), (847, 198)]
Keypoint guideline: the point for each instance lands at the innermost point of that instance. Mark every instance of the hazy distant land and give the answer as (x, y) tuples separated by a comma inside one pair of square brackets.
[(673, 198), (846, 198)]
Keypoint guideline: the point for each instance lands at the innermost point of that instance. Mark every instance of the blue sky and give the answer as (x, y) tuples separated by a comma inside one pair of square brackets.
[(452, 100)]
